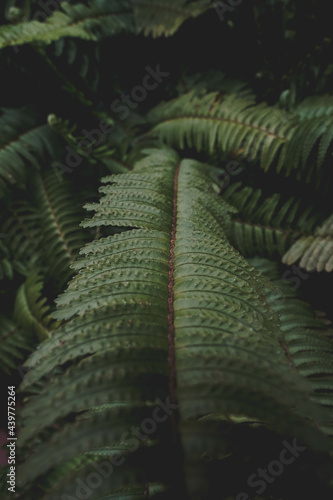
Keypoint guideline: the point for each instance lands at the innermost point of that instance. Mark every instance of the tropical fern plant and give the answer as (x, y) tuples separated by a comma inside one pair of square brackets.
[(179, 340)]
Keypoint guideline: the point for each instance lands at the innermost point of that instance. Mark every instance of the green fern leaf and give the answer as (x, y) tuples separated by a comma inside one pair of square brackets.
[(30, 310), (230, 123), (15, 344), (23, 140), (314, 252), (157, 18), (82, 21), (307, 340), (20, 223), (165, 310), (268, 226), (60, 218)]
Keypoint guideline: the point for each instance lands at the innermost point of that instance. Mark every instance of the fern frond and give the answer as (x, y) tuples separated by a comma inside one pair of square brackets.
[(89, 22), (224, 123), (23, 141), (156, 18), (307, 339), (268, 226), (95, 154), (15, 343), (6, 266), (315, 107), (165, 310), (30, 310), (236, 124), (29, 323), (21, 223), (314, 133), (211, 81), (314, 251), (60, 217)]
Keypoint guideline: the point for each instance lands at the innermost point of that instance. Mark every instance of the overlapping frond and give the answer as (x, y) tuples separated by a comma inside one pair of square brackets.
[(60, 218), (235, 123), (229, 123), (21, 225), (165, 314), (95, 154), (308, 339), (29, 323), (15, 343), (24, 141), (89, 22), (102, 18), (268, 226), (314, 136), (6, 266), (315, 250), (211, 81), (31, 311)]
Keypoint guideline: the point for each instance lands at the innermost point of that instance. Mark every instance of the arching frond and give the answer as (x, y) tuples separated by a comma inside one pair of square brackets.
[(308, 340), (314, 251), (224, 123), (163, 315), (267, 226), (90, 22), (95, 153), (15, 343), (30, 310), (60, 217), (24, 141), (237, 124), (313, 134), (21, 223), (6, 266), (30, 322)]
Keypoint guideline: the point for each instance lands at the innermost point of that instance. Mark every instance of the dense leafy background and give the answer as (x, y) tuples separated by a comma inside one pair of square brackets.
[(280, 50)]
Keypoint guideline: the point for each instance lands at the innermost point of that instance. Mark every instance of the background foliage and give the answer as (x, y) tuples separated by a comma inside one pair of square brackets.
[(248, 91)]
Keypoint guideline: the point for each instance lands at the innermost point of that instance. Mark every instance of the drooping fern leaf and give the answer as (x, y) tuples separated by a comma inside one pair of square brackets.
[(314, 129), (103, 18), (236, 124), (23, 141), (224, 123), (60, 217), (165, 311), (15, 343), (94, 154), (30, 310), (21, 222), (6, 266), (268, 226), (82, 21), (314, 251), (29, 323), (308, 339)]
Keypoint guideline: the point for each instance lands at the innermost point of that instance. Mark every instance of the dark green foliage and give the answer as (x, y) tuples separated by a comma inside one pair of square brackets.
[(314, 250), (307, 338), (30, 323), (199, 135), (61, 238), (117, 316), (268, 226), (23, 142)]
